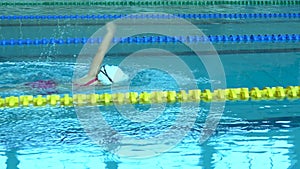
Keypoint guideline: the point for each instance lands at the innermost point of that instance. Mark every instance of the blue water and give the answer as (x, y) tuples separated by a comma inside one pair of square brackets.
[(251, 134)]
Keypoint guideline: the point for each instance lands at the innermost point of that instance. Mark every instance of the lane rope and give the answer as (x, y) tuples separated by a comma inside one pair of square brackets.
[(159, 39), (153, 3), (197, 95), (156, 16)]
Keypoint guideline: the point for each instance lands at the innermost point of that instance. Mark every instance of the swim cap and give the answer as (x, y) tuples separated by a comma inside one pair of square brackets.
[(111, 74)]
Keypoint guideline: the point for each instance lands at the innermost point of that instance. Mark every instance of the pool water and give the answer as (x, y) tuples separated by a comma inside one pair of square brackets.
[(251, 134)]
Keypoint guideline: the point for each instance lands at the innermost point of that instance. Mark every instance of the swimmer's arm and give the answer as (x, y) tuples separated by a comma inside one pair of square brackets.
[(95, 66)]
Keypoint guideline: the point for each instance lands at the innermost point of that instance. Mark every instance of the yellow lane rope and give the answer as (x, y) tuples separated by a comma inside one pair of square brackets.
[(106, 99)]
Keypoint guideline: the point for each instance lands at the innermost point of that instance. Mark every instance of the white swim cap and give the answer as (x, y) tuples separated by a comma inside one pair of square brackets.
[(110, 72)]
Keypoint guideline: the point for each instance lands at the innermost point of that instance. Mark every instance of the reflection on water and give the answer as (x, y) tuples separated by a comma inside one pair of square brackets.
[(55, 139), (12, 161)]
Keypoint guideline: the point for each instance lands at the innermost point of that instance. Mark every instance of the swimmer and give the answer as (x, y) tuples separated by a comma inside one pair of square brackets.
[(103, 74), (98, 74)]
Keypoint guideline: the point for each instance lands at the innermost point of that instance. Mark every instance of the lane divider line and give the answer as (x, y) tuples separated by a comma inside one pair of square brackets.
[(155, 16), (158, 39), (154, 3), (197, 95)]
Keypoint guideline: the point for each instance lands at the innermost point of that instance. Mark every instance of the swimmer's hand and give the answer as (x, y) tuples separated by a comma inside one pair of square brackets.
[(86, 81)]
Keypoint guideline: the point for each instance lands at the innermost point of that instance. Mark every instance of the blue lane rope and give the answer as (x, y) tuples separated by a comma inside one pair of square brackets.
[(160, 39), (153, 3), (156, 16)]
